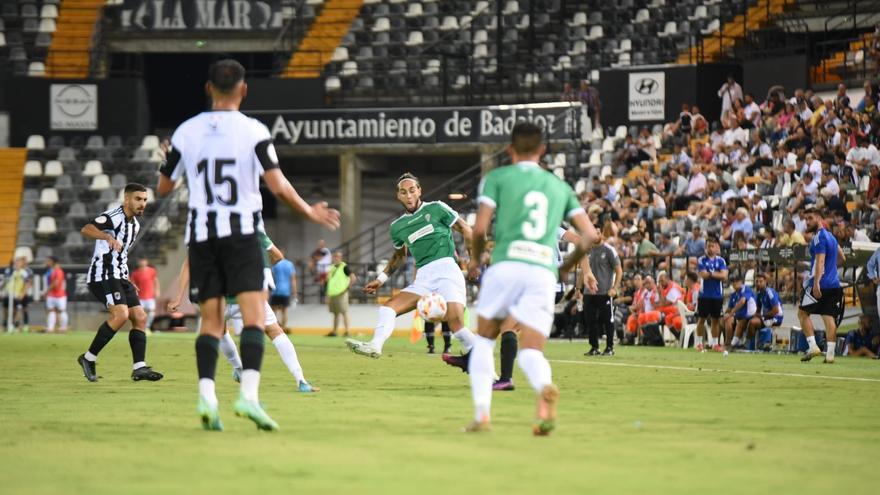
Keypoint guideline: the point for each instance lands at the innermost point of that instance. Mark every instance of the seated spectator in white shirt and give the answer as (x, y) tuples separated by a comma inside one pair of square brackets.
[(830, 187), (806, 192)]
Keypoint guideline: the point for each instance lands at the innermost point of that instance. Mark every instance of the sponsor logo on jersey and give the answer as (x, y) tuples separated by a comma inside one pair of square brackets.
[(531, 252), (422, 232)]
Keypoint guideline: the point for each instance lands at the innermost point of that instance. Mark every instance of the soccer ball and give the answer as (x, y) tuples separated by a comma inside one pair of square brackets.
[(432, 307)]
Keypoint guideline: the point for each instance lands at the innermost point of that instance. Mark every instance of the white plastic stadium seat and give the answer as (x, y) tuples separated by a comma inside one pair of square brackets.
[(450, 23), (24, 252), (620, 132), (48, 197), (349, 69), (481, 36), (53, 169), (414, 10), (668, 29), (416, 38), (713, 26), (579, 19), (643, 15), (36, 142), (594, 76), (687, 328), (432, 68), (33, 168), (596, 32), (100, 183), (47, 26), (162, 224), (595, 158), (150, 142), (560, 172), (625, 46), (36, 69), (340, 54), (608, 145), (382, 25), (511, 7), (93, 168), (46, 226), (332, 84), (49, 12), (700, 12)]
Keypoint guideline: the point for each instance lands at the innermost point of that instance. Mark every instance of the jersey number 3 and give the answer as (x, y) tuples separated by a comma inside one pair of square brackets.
[(219, 179), (535, 228)]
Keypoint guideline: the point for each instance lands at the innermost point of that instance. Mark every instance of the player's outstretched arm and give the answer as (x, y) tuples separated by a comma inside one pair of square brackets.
[(96, 234), (396, 258), (318, 213)]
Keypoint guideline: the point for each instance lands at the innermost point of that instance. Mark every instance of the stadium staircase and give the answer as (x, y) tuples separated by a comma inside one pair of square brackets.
[(856, 54), (11, 184), (69, 54), (322, 38), (714, 45)]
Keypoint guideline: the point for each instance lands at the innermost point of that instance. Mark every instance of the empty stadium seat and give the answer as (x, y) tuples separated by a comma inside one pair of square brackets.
[(64, 182), (340, 54), (35, 142), (414, 10), (95, 143), (162, 224), (36, 69), (66, 154), (47, 26), (382, 25), (415, 38), (596, 32), (49, 12), (93, 168), (53, 169), (48, 197), (33, 168), (24, 252), (669, 29), (100, 182), (150, 142), (44, 252), (349, 69), (46, 226), (450, 23), (332, 84), (77, 210), (74, 239)]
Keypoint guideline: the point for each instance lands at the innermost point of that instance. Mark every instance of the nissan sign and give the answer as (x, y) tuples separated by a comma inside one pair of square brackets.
[(73, 107), (647, 96)]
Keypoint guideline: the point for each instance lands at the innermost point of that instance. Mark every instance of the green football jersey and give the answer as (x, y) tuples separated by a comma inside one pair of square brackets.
[(266, 244), (427, 232), (529, 203)]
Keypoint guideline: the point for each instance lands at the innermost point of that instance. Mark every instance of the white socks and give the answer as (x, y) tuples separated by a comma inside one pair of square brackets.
[(698, 340), (466, 337), (734, 342), (50, 321), (90, 357), (207, 391), (829, 350), (713, 341), (250, 385), (811, 342), (537, 369), (64, 321), (481, 369), (384, 328), (227, 347), (138, 365), (288, 356)]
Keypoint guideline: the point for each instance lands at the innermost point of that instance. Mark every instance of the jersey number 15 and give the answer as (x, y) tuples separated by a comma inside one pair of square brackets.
[(219, 179)]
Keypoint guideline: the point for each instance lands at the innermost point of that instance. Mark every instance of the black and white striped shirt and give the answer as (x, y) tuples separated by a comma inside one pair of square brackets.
[(223, 155), (108, 264)]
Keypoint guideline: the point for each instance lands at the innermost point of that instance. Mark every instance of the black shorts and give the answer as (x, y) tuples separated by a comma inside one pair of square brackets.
[(708, 307), (21, 302), (830, 304), (115, 291), (279, 301), (225, 267)]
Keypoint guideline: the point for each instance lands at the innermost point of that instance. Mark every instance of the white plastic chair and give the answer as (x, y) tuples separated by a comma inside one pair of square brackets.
[(35, 142), (33, 168), (48, 197), (46, 226), (150, 142), (340, 54), (93, 168), (382, 25), (53, 169), (100, 183), (687, 328), (332, 84)]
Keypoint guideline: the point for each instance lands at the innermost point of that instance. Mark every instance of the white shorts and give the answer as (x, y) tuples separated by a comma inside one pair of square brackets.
[(525, 292), (148, 304), (56, 303), (233, 315), (442, 276)]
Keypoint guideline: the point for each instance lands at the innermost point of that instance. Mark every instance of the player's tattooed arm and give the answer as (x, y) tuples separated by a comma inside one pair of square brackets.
[(396, 259)]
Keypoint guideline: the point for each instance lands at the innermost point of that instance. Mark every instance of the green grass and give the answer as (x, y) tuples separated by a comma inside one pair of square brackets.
[(392, 425)]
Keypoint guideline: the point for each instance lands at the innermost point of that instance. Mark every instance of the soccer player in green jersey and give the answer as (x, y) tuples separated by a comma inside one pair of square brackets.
[(528, 204), (425, 229)]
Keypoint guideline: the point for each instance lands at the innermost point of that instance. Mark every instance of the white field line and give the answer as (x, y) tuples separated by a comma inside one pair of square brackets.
[(711, 370)]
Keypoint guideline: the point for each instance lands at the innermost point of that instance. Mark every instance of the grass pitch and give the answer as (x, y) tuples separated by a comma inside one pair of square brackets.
[(645, 421)]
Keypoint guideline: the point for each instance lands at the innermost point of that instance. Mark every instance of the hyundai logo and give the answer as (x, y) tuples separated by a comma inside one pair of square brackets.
[(647, 86)]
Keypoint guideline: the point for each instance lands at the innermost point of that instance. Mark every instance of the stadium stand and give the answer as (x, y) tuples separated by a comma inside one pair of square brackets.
[(61, 178)]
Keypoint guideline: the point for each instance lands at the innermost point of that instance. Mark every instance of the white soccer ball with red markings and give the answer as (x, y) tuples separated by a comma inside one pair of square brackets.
[(432, 307)]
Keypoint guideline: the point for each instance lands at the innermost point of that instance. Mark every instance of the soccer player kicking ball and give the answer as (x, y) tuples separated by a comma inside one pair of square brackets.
[(529, 204), (425, 229)]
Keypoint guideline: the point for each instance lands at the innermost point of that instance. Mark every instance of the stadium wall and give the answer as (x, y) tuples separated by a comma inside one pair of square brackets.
[(789, 72), (122, 107)]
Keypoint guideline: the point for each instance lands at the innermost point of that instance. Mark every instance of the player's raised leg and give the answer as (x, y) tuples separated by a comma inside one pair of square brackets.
[(401, 303)]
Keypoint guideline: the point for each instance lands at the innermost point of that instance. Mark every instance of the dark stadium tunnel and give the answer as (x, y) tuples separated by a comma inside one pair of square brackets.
[(176, 82)]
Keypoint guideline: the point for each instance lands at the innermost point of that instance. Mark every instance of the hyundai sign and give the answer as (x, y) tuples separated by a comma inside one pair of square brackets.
[(647, 96)]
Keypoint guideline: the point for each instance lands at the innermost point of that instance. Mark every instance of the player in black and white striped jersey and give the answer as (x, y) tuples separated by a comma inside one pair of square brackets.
[(222, 153), (114, 232)]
